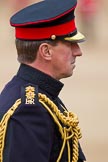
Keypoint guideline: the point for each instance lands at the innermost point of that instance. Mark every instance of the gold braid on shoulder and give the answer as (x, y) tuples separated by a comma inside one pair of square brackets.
[(70, 130), (3, 126)]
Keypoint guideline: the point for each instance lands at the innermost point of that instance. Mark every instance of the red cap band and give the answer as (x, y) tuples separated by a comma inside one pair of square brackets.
[(46, 32)]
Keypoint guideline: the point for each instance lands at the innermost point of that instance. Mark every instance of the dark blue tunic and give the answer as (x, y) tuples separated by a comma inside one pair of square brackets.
[(32, 135)]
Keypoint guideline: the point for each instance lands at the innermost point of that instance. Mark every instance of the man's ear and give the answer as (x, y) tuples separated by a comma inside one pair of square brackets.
[(45, 52)]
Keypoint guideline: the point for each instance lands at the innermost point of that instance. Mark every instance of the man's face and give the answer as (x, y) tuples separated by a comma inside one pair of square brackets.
[(63, 59)]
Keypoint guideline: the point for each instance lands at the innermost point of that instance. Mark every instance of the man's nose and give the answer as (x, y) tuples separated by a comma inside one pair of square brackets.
[(77, 51)]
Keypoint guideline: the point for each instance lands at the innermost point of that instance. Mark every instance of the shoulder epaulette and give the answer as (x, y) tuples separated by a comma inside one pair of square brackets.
[(29, 94)]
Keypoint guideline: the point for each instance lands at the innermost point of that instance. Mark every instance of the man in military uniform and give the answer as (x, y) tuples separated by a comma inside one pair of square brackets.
[(35, 125)]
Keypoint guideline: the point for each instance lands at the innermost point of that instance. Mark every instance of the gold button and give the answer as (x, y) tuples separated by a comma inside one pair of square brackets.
[(53, 37)]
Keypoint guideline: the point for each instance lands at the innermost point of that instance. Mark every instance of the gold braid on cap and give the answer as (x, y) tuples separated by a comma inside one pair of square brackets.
[(68, 119)]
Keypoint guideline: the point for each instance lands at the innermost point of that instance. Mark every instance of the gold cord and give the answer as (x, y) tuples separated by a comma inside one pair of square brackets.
[(71, 129), (68, 119), (3, 126)]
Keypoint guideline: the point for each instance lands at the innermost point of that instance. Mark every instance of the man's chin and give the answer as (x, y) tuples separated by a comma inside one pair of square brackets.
[(67, 75)]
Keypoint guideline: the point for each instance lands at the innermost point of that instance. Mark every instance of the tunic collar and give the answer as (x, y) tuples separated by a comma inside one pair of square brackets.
[(44, 81)]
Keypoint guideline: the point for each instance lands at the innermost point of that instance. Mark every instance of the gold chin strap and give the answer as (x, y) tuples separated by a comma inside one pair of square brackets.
[(68, 119)]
